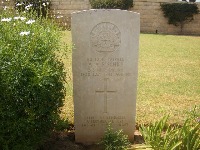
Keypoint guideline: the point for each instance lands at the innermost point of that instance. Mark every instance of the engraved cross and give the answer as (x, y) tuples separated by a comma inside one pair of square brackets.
[(105, 91)]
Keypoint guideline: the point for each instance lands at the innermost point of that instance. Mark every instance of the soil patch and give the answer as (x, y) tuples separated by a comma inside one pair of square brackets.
[(66, 141)]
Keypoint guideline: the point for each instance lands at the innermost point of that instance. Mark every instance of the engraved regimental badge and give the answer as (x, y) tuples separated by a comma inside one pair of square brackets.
[(105, 37)]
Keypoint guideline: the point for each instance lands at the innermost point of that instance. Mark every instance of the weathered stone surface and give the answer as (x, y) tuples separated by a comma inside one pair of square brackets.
[(105, 61)]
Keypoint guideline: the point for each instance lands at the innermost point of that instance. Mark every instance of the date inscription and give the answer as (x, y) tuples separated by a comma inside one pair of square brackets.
[(91, 121)]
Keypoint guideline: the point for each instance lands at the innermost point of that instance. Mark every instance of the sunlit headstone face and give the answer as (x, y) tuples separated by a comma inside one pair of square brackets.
[(105, 60)]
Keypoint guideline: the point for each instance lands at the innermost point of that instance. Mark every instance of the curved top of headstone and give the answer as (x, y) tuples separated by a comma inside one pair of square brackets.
[(102, 11), (103, 27)]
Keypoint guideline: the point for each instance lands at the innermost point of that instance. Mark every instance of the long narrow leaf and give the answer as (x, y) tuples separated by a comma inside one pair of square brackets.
[(176, 145)]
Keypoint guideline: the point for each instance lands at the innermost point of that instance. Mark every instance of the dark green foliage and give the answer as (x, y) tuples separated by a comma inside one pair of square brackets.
[(192, 0), (61, 125), (115, 140), (31, 82), (179, 13), (40, 7), (111, 4)]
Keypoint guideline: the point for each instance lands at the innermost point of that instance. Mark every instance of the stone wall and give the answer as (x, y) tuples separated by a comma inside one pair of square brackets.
[(152, 19), (61, 9), (6, 3), (69, 6)]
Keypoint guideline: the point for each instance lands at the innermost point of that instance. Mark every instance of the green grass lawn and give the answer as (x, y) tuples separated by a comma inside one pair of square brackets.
[(168, 80)]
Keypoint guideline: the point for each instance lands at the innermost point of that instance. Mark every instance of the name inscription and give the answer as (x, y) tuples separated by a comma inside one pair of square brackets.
[(106, 67)]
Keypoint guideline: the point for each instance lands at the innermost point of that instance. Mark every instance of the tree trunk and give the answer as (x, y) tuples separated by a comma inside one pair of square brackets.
[(182, 25)]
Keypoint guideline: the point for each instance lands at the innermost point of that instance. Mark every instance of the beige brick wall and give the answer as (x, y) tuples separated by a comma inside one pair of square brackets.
[(61, 9), (66, 7), (152, 18), (6, 3)]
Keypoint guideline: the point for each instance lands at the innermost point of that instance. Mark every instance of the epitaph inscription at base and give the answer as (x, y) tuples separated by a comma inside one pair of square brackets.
[(105, 60)]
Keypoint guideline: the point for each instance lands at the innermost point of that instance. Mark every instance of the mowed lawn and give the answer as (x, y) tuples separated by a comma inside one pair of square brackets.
[(168, 79)]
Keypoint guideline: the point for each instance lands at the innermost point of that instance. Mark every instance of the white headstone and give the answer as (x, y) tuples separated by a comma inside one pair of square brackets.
[(105, 68)]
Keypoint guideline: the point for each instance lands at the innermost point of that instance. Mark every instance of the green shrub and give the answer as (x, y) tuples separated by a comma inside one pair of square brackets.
[(62, 125), (164, 137), (179, 13), (40, 7), (111, 4), (115, 140), (32, 84)]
